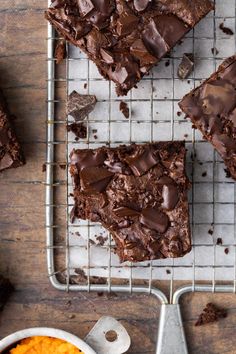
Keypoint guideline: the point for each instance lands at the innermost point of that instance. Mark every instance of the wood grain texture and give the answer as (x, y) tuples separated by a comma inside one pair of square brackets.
[(22, 233)]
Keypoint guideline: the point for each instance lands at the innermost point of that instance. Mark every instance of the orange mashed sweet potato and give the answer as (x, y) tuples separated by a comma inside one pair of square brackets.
[(44, 345)]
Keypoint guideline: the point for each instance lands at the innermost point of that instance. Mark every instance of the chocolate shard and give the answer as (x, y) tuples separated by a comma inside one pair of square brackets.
[(154, 219), (95, 179), (125, 39), (211, 108), (138, 194), (226, 30), (142, 161), (79, 106), (11, 155), (186, 66)]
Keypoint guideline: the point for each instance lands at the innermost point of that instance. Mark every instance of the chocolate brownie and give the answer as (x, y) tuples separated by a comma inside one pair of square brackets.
[(212, 109), (211, 313), (126, 38), (139, 194), (10, 151)]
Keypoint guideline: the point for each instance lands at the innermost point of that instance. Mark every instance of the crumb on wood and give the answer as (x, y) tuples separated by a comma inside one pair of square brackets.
[(211, 313)]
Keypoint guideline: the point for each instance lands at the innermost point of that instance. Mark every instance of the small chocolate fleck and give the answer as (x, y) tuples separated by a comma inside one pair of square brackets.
[(168, 271), (60, 51), (185, 135), (227, 173), (94, 131), (95, 137), (167, 63), (85, 85), (226, 250), (179, 113), (214, 51), (44, 167), (124, 109), (62, 166), (210, 232), (219, 241), (100, 293), (226, 30), (204, 174)]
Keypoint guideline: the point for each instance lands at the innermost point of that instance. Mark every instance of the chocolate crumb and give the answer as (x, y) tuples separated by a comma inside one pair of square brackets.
[(124, 109), (226, 250), (179, 113), (219, 241), (100, 293), (95, 137), (227, 173), (185, 135), (101, 240), (79, 129), (167, 63), (210, 232), (188, 81), (92, 242), (168, 271), (63, 166), (214, 51), (77, 234), (226, 30), (204, 174), (60, 51), (85, 85), (211, 313), (94, 131), (44, 167)]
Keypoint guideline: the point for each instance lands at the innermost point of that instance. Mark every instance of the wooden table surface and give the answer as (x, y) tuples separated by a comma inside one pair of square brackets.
[(22, 232)]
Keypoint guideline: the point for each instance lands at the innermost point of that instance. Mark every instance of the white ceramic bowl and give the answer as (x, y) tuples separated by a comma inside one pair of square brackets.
[(47, 332)]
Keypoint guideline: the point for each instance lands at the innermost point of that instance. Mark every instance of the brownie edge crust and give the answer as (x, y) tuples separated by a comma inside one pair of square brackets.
[(125, 39), (139, 194)]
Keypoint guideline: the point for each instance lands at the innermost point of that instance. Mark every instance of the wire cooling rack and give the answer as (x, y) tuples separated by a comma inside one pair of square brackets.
[(80, 256)]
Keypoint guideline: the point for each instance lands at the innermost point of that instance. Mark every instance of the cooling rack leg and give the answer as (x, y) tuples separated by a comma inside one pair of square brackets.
[(171, 337)]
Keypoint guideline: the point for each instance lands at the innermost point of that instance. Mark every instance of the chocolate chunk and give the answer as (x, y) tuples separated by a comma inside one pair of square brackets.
[(142, 161), (6, 289), (170, 196), (79, 106), (124, 109), (79, 129), (125, 39), (154, 219), (226, 30), (137, 193), (186, 66), (60, 51), (95, 179), (210, 232), (10, 151), (219, 241), (226, 250), (211, 313), (211, 108)]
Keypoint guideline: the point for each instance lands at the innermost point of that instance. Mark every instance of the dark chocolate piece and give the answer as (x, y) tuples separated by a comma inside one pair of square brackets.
[(60, 51), (186, 66), (79, 129), (226, 30), (79, 106), (6, 289), (10, 151), (125, 39), (124, 109), (212, 109), (139, 194), (211, 313)]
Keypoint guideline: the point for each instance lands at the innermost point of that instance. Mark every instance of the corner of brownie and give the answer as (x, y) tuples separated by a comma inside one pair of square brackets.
[(139, 194), (125, 39)]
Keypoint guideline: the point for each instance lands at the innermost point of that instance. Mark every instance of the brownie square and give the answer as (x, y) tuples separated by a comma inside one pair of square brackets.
[(10, 151), (139, 194), (125, 39), (212, 109)]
